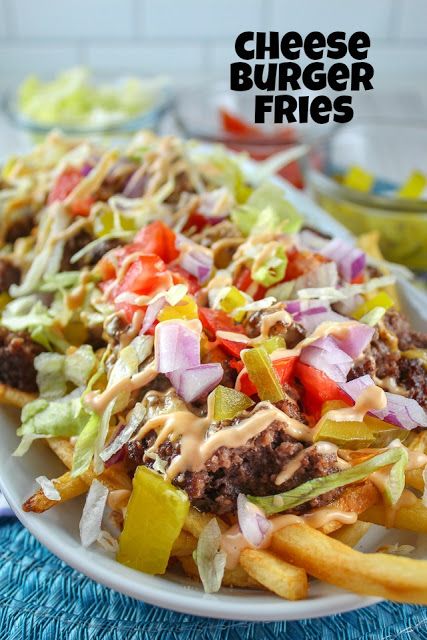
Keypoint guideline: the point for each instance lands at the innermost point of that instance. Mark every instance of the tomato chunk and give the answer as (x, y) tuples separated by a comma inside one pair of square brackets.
[(283, 367), (318, 388), (65, 184), (158, 239)]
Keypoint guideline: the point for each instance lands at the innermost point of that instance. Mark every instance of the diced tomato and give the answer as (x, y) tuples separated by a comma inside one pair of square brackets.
[(237, 365), (147, 275), (181, 276), (158, 239), (81, 207), (214, 320), (318, 388), (300, 262), (283, 367), (244, 281), (196, 220), (64, 184), (236, 125)]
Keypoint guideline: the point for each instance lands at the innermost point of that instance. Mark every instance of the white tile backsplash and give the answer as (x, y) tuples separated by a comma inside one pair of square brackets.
[(147, 58), (72, 18), (18, 60), (198, 19), (372, 16), (193, 37), (413, 19)]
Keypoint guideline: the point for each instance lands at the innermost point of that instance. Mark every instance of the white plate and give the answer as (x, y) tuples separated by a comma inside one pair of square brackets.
[(58, 528)]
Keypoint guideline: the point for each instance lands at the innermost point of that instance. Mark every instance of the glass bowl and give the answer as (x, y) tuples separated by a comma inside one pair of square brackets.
[(211, 112), (149, 118), (391, 152)]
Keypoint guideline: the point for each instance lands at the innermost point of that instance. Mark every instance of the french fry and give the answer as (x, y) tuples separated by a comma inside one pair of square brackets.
[(357, 499), (412, 518), (184, 545), (68, 488), (374, 574), (196, 521), (275, 574), (414, 479), (351, 534), (15, 397), (232, 577)]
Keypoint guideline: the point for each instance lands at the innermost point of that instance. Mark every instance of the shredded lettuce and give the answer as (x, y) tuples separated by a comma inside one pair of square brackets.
[(396, 480), (267, 210), (55, 370), (273, 269), (85, 445), (209, 559), (318, 486), (79, 365), (58, 418)]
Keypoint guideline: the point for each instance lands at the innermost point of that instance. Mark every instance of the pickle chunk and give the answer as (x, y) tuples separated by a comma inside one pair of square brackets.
[(154, 519)]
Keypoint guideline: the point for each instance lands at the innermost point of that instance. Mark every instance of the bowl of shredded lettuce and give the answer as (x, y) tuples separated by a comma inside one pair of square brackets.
[(78, 103)]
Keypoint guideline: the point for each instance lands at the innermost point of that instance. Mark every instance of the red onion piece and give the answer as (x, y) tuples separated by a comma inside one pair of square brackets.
[(137, 184), (196, 382), (326, 356), (152, 312), (86, 169), (198, 263), (252, 522), (400, 411), (311, 318), (90, 523), (356, 339), (177, 346), (351, 261)]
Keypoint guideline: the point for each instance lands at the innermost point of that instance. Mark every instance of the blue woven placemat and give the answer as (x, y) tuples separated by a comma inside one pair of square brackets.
[(41, 598)]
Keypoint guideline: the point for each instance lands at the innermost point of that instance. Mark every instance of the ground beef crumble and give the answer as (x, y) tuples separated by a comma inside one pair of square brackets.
[(17, 353)]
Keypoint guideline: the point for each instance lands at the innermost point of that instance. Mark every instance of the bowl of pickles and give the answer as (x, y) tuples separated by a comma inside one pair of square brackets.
[(372, 176)]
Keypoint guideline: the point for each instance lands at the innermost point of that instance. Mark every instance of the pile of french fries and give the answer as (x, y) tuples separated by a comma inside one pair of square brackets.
[(297, 551)]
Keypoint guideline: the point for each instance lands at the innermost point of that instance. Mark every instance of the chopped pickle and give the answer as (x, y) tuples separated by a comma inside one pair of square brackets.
[(349, 435), (357, 434), (414, 186), (373, 317), (228, 403), (232, 300), (273, 270), (186, 309), (153, 521), (359, 179), (4, 300), (262, 374), (104, 223), (271, 344), (381, 299)]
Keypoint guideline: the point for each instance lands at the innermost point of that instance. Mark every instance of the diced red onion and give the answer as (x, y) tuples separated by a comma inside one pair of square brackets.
[(152, 312), (324, 275), (198, 263), (351, 261), (48, 488), (114, 451), (136, 185), (196, 382), (253, 524), (90, 523), (311, 318), (86, 169), (356, 339), (400, 411), (177, 346), (326, 356)]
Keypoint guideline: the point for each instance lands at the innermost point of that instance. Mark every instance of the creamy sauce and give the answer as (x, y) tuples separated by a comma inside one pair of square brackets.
[(98, 402), (268, 321), (233, 542), (76, 297), (234, 337), (192, 429), (389, 384), (136, 326)]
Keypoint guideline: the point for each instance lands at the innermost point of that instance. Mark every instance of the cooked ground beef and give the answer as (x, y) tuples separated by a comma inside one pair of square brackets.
[(380, 359), (98, 251), (182, 184), (79, 241), (250, 469), (17, 353), (71, 247), (117, 179), (291, 332), (19, 228), (9, 274)]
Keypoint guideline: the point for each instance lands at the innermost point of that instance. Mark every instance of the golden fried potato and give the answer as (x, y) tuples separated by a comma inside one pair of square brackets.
[(374, 574), (412, 518), (68, 488), (275, 574), (184, 545), (232, 577), (15, 397), (351, 534)]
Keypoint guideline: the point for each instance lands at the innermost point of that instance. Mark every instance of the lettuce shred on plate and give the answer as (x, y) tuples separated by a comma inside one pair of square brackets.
[(165, 320)]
